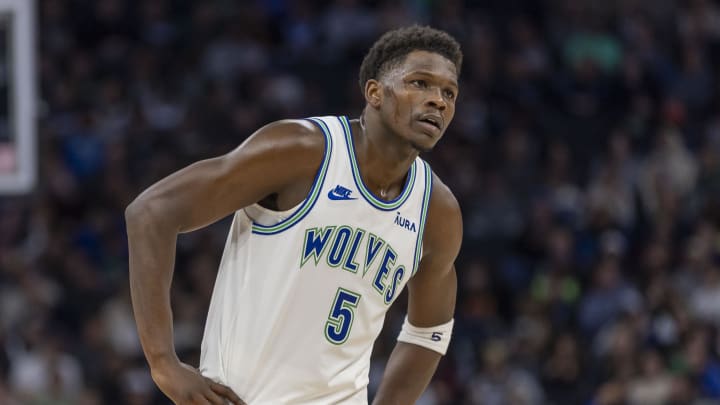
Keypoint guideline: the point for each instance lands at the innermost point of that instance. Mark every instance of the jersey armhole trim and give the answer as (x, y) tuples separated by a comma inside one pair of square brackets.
[(423, 217), (309, 202)]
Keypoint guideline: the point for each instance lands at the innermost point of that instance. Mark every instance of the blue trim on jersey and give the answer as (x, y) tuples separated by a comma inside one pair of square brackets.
[(364, 191), (423, 217), (312, 198)]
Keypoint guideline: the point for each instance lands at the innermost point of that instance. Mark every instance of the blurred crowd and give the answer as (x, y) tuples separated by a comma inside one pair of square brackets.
[(585, 154)]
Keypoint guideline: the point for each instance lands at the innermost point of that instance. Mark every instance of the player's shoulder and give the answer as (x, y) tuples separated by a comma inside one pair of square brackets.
[(292, 132), (444, 218), (442, 200), (293, 141), (299, 144)]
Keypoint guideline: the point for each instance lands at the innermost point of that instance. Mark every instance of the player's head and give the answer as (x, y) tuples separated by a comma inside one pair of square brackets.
[(409, 77)]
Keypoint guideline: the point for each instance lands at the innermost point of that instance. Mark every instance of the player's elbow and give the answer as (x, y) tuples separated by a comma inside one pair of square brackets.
[(151, 211), (139, 211), (135, 209), (132, 210), (134, 214)]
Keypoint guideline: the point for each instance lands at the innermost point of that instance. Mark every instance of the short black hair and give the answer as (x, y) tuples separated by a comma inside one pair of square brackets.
[(394, 45)]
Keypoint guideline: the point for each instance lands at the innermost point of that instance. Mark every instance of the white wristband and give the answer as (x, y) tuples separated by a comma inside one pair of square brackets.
[(435, 338)]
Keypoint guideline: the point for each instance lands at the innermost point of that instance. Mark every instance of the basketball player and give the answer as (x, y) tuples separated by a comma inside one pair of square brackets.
[(332, 218)]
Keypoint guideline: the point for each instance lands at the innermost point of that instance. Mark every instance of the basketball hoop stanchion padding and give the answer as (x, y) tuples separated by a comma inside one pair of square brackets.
[(18, 97)]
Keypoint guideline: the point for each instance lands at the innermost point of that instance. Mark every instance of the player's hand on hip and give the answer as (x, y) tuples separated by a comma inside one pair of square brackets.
[(184, 385)]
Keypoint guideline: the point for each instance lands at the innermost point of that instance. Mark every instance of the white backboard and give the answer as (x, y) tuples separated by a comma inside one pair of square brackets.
[(18, 155)]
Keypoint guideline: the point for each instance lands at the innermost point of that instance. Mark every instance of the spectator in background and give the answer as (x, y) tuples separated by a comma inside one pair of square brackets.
[(563, 374), (609, 297), (667, 176), (612, 192), (654, 384), (501, 383)]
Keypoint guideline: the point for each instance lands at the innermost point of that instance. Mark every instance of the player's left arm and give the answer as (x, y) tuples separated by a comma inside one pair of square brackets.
[(431, 304)]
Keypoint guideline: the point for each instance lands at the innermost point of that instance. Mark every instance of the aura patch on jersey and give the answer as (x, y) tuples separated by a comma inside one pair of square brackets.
[(346, 247), (405, 223)]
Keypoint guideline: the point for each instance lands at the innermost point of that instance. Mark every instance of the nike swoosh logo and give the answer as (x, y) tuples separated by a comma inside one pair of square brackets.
[(333, 195)]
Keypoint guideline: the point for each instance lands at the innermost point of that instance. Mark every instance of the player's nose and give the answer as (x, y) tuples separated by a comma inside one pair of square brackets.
[(436, 99)]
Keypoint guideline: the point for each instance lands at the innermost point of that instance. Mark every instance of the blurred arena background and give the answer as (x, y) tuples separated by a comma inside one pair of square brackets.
[(585, 154)]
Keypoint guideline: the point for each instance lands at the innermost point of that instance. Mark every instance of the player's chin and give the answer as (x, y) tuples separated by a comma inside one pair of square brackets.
[(423, 145), (424, 141)]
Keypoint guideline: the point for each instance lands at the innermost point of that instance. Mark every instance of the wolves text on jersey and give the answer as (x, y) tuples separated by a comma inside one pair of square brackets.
[(340, 246)]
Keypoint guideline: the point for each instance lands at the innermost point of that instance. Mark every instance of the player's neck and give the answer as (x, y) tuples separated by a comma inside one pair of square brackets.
[(383, 158)]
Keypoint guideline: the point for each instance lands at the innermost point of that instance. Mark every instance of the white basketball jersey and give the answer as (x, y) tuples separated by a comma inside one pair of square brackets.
[(301, 295)]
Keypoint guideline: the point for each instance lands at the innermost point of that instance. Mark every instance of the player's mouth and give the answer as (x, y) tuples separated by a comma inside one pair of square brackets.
[(432, 123)]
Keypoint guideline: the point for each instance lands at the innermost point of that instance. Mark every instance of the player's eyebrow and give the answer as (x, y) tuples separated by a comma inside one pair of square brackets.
[(451, 82)]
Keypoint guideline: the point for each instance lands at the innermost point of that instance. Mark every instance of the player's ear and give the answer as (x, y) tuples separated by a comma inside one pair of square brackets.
[(373, 93)]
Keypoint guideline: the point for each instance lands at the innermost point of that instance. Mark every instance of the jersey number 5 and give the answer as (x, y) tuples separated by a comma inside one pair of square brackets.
[(337, 327)]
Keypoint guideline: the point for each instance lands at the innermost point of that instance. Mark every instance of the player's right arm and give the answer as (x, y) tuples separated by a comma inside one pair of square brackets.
[(275, 159)]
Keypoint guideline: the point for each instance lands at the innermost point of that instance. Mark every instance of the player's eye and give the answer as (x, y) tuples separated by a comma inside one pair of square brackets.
[(419, 83), (450, 94)]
